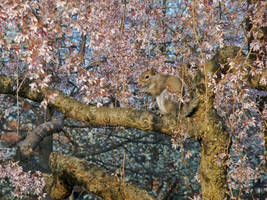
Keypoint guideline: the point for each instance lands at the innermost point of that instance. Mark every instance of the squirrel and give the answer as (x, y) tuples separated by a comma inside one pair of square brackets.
[(158, 85)]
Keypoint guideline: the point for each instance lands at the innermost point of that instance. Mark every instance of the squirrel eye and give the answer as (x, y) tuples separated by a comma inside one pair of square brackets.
[(147, 76)]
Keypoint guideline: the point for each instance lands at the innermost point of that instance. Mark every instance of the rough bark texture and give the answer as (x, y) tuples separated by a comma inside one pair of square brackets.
[(69, 171), (102, 116), (215, 141)]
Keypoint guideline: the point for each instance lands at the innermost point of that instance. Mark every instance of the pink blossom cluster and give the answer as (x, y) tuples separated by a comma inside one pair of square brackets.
[(237, 105), (24, 183)]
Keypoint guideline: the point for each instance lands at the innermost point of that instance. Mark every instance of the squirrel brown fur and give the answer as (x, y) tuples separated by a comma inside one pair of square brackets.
[(158, 85)]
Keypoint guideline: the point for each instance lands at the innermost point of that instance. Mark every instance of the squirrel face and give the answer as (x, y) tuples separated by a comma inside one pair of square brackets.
[(146, 77)]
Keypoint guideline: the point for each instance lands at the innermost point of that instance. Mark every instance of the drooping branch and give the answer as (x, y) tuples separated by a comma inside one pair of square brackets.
[(69, 171), (32, 140)]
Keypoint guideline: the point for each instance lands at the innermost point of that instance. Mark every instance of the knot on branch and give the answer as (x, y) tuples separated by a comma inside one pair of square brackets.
[(146, 121)]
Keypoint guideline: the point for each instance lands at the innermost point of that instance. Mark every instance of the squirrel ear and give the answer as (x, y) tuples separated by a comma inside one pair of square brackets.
[(153, 71)]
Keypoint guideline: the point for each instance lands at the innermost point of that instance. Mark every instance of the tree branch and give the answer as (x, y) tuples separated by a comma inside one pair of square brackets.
[(102, 116), (69, 171), (32, 140)]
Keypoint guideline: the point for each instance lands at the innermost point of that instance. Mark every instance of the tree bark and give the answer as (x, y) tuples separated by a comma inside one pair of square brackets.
[(102, 116), (35, 137), (69, 171)]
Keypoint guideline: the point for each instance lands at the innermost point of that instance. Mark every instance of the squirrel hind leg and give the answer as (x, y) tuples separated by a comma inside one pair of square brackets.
[(189, 108)]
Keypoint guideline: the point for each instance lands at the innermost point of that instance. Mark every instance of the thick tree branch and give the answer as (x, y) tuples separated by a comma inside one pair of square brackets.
[(69, 171), (102, 116)]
